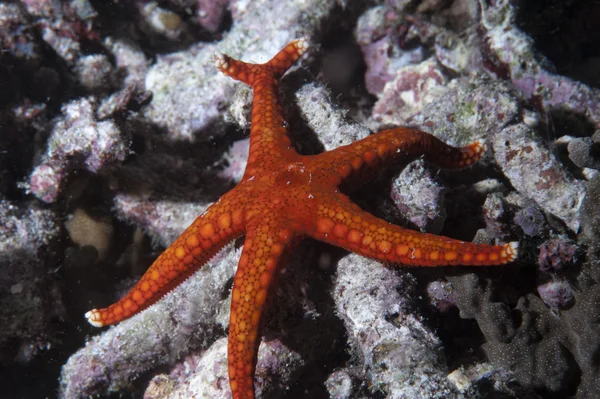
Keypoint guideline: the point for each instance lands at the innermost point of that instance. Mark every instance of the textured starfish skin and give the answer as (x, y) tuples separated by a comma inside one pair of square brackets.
[(284, 196)]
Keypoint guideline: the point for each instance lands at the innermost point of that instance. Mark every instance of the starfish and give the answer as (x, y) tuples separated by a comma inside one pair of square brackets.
[(284, 196)]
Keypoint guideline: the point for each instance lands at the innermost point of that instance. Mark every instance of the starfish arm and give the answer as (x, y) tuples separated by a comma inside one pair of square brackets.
[(342, 223), (264, 251), (356, 163), (251, 74), (269, 142), (220, 224)]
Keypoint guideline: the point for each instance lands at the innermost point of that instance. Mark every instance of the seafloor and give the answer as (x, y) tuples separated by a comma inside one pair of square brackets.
[(116, 131)]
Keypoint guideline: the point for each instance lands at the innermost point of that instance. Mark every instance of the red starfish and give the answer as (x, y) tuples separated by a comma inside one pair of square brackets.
[(284, 196)]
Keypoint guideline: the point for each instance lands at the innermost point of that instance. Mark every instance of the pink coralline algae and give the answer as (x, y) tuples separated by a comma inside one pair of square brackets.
[(411, 89)]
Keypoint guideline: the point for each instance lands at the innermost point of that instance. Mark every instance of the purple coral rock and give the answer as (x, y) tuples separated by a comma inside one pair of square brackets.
[(534, 171), (376, 33), (556, 254), (210, 13), (556, 294), (515, 52), (467, 110), (442, 295), (162, 220), (531, 220), (205, 376), (64, 26), (45, 182), (130, 59), (15, 37), (77, 140)]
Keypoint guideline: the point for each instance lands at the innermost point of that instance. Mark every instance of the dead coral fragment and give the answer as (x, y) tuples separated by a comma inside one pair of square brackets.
[(77, 141)]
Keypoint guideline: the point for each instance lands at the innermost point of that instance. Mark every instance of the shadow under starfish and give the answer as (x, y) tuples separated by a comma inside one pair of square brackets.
[(284, 196)]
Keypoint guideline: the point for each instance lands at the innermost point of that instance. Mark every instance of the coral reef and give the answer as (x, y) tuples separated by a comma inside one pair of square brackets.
[(117, 131)]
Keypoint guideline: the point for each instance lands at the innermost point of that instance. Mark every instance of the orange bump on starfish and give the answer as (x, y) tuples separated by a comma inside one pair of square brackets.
[(284, 196)]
